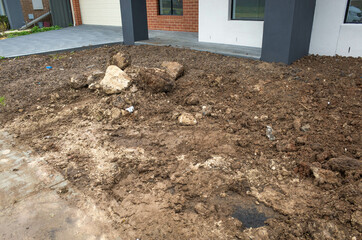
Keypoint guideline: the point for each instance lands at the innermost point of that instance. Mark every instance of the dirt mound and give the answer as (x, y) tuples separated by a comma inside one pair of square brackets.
[(159, 179)]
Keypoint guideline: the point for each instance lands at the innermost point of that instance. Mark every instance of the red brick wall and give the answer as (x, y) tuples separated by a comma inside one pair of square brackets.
[(76, 10), (189, 22), (27, 6)]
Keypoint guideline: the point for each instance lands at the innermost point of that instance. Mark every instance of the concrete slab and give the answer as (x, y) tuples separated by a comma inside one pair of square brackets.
[(85, 36), (30, 206)]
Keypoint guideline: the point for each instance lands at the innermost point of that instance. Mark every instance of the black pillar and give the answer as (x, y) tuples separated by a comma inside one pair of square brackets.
[(287, 30), (134, 21)]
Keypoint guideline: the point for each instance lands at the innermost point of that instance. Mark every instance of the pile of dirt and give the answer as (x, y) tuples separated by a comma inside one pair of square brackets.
[(159, 178)]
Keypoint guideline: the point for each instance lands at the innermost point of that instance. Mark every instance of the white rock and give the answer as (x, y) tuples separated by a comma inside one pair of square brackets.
[(187, 119), (115, 80)]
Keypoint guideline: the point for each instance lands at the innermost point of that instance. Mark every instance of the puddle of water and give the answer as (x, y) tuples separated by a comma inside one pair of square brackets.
[(250, 217)]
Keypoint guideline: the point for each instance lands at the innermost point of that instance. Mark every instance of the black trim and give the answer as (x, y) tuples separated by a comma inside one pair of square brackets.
[(347, 9), (244, 19)]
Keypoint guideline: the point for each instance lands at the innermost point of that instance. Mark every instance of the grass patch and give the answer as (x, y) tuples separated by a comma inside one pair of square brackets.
[(35, 29)]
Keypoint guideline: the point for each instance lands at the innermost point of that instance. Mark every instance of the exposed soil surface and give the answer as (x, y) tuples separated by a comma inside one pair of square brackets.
[(157, 179)]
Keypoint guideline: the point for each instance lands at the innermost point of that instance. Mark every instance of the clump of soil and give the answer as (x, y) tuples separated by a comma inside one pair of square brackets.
[(159, 179)]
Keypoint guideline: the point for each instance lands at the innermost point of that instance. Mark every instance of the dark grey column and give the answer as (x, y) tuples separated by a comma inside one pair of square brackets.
[(287, 30), (134, 21), (61, 12), (14, 11)]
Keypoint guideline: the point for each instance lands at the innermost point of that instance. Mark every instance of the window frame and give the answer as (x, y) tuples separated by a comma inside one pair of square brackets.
[(159, 9), (346, 14), (231, 9)]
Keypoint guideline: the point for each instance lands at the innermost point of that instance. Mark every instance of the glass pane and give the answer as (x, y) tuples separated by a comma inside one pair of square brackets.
[(177, 7), (354, 13), (248, 9), (165, 7)]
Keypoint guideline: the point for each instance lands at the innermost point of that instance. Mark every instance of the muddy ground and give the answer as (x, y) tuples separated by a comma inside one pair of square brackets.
[(157, 179)]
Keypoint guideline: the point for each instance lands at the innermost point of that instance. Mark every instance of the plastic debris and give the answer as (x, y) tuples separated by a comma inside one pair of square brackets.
[(269, 133), (130, 109), (49, 67)]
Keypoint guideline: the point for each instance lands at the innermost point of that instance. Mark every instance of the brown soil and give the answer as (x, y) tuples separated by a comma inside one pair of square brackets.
[(157, 179)]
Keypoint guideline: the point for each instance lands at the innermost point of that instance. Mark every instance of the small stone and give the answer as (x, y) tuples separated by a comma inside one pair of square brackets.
[(206, 110), (200, 209), (21, 110), (115, 80), (323, 156), (94, 86), (115, 113), (78, 81), (54, 97), (174, 69), (134, 89), (301, 140), (305, 128), (192, 100), (223, 195), (121, 60), (124, 112), (198, 115), (187, 119), (297, 124), (324, 176), (286, 146), (228, 111)]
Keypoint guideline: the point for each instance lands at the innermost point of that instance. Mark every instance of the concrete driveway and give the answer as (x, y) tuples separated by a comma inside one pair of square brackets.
[(71, 38)]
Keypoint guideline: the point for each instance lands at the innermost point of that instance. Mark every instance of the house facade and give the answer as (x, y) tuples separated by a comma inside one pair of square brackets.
[(335, 25), (20, 12)]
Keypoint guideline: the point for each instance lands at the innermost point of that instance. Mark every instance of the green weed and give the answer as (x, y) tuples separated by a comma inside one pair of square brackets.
[(2, 101), (35, 29)]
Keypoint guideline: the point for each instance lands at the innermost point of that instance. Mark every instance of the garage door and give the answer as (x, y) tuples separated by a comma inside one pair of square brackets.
[(105, 12)]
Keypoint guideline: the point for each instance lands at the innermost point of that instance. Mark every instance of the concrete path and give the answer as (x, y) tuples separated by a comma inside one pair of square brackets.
[(30, 202), (190, 40), (74, 38)]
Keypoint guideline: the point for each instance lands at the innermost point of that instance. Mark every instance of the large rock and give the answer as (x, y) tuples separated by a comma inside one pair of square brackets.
[(155, 80), (81, 80), (121, 60), (115, 80), (174, 69)]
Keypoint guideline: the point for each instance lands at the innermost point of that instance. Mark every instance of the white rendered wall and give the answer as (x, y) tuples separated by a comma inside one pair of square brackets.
[(215, 25), (330, 36)]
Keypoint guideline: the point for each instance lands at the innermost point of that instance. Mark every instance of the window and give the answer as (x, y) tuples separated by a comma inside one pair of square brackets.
[(171, 7), (247, 10), (354, 11), (38, 4)]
